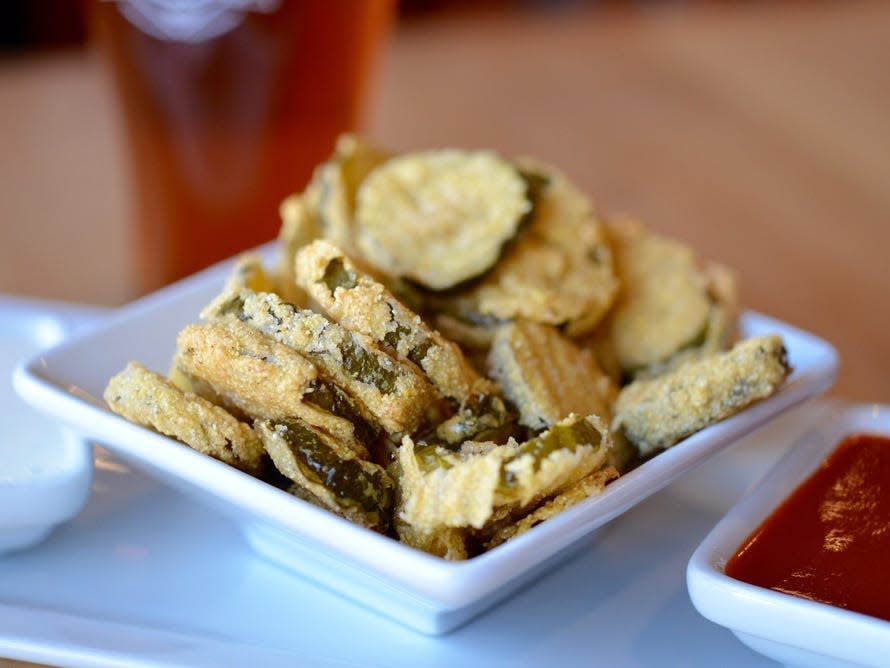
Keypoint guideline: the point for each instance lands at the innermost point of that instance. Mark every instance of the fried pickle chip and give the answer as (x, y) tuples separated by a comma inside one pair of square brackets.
[(441, 488), (394, 394), (329, 472), (363, 304), (263, 378), (299, 226), (147, 398), (586, 487), (337, 181), (664, 306), (656, 413), (558, 271), (440, 217), (249, 273), (446, 542), (546, 376)]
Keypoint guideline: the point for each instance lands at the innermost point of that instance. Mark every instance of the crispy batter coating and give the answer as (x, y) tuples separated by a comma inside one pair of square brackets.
[(663, 305), (586, 487), (249, 273), (441, 488), (547, 376), (299, 226), (337, 182), (558, 270), (440, 217), (151, 400), (657, 413), (263, 378), (447, 542), (329, 472), (363, 304), (393, 393)]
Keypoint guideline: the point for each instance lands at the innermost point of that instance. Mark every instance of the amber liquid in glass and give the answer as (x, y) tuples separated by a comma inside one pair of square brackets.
[(221, 130)]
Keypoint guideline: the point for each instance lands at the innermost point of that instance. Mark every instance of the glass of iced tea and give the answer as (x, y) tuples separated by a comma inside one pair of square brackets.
[(228, 105)]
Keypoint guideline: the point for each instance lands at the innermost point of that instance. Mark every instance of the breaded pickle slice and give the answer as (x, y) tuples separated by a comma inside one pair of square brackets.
[(441, 488), (447, 542), (299, 226), (664, 304), (330, 472), (149, 399), (336, 183), (249, 273), (394, 394), (482, 417), (558, 271), (546, 376), (362, 304), (588, 486), (440, 217), (720, 329), (657, 413), (263, 378)]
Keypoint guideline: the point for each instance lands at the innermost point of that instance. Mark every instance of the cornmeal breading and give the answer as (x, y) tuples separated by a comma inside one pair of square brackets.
[(670, 308), (362, 304), (440, 217), (557, 271), (441, 488), (588, 486), (395, 394), (263, 378), (547, 376), (149, 399), (657, 413)]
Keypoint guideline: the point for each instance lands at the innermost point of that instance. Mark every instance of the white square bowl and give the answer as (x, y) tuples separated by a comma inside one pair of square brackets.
[(424, 592), (789, 629)]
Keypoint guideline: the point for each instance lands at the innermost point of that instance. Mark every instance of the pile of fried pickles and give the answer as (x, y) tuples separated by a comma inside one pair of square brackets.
[(452, 347)]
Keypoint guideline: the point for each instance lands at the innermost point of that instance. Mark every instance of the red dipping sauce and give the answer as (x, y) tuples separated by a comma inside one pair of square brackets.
[(830, 540)]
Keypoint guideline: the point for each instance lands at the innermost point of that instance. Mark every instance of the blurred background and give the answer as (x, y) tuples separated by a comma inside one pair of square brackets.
[(757, 132)]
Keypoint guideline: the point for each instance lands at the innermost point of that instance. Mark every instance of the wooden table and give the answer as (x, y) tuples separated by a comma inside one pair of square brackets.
[(759, 133)]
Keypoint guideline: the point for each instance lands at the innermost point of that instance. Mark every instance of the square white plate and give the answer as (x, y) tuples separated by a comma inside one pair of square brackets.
[(789, 629), (421, 591)]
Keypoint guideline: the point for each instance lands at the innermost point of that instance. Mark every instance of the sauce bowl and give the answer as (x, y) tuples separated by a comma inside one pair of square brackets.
[(793, 630)]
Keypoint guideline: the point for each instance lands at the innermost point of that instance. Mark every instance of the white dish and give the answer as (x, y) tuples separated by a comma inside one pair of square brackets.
[(45, 470), (424, 592), (789, 629), (146, 577)]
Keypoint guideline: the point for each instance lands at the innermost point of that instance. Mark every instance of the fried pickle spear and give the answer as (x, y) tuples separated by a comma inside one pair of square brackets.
[(656, 413), (440, 488), (149, 399), (440, 217), (546, 376), (394, 395), (263, 378), (328, 473)]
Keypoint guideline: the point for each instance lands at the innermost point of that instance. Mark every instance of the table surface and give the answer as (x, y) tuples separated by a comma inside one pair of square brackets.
[(757, 132)]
